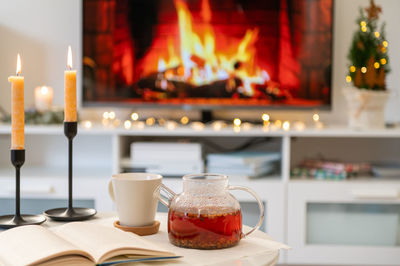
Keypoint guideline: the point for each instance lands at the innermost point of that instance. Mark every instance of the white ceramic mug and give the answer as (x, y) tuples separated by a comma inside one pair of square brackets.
[(136, 197)]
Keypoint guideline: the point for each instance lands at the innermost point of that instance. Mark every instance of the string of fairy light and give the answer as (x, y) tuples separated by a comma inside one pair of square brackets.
[(110, 120), (377, 64)]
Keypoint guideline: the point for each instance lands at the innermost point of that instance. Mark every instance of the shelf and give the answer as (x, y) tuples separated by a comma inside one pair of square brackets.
[(256, 131)]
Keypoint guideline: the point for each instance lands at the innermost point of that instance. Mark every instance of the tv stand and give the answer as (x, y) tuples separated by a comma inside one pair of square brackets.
[(206, 116)]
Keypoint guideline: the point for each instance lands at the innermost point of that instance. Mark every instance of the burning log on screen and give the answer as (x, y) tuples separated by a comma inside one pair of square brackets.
[(171, 84)]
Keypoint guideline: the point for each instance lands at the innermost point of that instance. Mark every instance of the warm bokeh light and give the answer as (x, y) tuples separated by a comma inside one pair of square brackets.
[(87, 124), (197, 126), (286, 125), (44, 90), (150, 121), (247, 126), (385, 44), (171, 125), (18, 64), (184, 120), (218, 125), (348, 79), (315, 117), (376, 65), (363, 29), (278, 123), (363, 23), (69, 58), (265, 117), (383, 61), (127, 124), (135, 116), (377, 34), (161, 121), (364, 70), (237, 122), (352, 69), (116, 123), (111, 115), (106, 115), (139, 125)]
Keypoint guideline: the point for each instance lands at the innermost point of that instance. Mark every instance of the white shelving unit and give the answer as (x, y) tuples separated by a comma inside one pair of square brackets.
[(298, 212)]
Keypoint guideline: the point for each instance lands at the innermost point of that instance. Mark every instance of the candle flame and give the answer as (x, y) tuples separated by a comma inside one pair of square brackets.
[(69, 58), (44, 90), (18, 64)]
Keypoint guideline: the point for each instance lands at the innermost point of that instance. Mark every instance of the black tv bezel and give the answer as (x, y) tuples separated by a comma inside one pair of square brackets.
[(211, 107)]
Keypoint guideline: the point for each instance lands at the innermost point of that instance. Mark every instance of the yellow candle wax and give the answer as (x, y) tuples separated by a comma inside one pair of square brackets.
[(17, 109), (70, 109)]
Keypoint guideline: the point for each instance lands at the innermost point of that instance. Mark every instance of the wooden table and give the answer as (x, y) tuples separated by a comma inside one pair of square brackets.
[(257, 249)]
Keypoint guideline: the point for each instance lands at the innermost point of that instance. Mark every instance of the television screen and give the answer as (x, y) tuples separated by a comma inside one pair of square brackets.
[(208, 53)]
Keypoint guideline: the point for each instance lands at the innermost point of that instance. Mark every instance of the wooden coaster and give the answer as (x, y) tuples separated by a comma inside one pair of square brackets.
[(140, 230)]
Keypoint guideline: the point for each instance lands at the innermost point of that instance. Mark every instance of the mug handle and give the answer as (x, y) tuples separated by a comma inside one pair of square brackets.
[(260, 206), (111, 190)]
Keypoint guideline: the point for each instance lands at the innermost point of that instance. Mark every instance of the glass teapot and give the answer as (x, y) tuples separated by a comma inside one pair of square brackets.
[(205, 215)]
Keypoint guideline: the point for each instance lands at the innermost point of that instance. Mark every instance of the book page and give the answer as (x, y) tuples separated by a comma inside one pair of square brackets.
[(33, 244), (104, 242)]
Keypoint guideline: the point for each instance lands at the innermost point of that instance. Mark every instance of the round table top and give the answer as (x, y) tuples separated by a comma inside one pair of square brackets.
[(256, 249)]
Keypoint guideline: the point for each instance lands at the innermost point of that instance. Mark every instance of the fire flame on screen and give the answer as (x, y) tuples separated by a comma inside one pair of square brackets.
[(199, 62)]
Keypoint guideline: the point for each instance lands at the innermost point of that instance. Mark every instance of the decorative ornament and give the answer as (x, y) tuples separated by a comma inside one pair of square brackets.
[(368, 55), (373, 10)]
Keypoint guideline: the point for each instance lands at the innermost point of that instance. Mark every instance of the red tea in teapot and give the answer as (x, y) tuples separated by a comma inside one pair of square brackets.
[(204, 231)]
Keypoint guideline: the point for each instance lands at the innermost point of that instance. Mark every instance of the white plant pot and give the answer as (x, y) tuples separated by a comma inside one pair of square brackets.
[(366, 108)]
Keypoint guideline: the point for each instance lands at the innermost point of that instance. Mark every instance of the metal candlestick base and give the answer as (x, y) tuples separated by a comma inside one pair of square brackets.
[(9, 221), (70, 213)]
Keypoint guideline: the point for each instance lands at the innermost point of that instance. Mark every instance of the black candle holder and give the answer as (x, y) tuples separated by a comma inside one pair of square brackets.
[(18, 219), (70, 213)]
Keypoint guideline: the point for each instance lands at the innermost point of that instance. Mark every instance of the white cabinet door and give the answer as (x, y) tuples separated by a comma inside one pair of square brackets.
[(344, 222)]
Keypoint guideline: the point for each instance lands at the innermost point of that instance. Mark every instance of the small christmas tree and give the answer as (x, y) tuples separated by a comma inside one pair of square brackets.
[(368, 53)]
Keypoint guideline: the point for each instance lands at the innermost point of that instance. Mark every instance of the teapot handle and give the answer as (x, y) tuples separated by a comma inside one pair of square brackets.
[(169, 194), (260, 206)]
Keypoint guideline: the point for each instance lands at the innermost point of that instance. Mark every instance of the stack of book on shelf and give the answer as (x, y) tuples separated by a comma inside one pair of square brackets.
[(165, 158), (244, 164), (330, 169)]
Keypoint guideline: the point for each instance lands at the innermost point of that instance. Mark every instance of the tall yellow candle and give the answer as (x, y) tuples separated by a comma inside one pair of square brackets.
[(70, 91), (17, 108)]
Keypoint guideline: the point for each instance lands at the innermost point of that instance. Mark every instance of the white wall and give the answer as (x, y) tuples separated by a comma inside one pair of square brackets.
[(41, 30)]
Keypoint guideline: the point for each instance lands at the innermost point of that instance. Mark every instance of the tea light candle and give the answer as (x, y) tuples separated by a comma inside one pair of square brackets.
[(70, 111), (17, 108), (43, 98)]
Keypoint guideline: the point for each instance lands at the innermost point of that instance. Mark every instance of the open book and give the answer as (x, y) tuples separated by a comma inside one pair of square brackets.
[(74, 243)]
